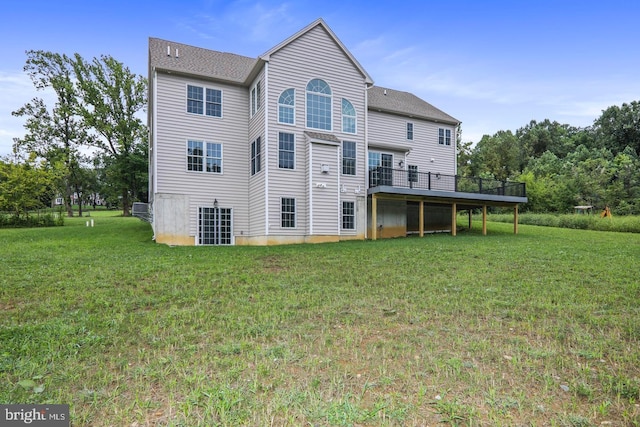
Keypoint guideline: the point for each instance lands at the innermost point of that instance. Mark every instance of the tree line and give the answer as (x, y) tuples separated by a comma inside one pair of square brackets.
[(565, 166), (89, 144)]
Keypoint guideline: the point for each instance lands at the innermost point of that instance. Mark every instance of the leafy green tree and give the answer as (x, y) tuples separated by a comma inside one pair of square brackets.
[(54, 134), (619, 127), (537, 138), (496, 155), (112, 96)]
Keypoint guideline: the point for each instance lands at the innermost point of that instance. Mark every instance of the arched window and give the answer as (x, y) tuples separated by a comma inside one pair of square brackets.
[(318, 105), (286, 106), (348, 117)]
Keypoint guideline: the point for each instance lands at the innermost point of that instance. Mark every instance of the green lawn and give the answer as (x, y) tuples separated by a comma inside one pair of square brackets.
[(538, 329)]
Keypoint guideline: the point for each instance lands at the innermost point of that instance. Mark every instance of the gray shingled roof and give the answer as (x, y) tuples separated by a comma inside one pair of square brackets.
[(198, 61), (238, 69), (406, 104)]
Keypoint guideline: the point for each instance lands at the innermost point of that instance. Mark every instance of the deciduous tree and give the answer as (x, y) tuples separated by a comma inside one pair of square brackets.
[(111, 98)]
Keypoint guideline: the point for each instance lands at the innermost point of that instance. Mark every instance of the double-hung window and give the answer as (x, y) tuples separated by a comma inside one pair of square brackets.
[(286, 150), (288, 212), (319, 105), (204, 156), (255, 98), (348, 158), (204, 101), (286, 107), (348, 215), (410, 131), (444, 136), (256, 156)]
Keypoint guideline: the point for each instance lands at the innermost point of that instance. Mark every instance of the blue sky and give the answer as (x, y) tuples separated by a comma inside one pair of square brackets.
[(494, 65)]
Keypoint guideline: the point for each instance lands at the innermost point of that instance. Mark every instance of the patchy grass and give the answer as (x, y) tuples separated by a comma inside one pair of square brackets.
[(542, 328)]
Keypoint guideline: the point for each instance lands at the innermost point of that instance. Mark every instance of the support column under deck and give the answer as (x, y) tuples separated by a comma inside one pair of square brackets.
[(421, 215), (454, 222), (484, 220), (374, 217), (515, 219)]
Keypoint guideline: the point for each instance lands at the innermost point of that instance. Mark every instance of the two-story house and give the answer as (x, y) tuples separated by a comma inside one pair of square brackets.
[(296, 145)]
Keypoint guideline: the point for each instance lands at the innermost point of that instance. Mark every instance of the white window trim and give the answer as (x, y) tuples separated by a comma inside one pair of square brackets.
[(355, 118), (355, 217), (295, 213), (295, 163), (444, 137), (204, 157), (306, 105), (257, 155), (255, 98), (204, 100), (413, 131), (293, 107), (342, 158)]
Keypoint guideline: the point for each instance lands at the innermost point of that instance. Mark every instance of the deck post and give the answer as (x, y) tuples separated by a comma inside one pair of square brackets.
[(421, 215), (374, 217), (515, 219), (470, 215), (484, 220), (454, 214)]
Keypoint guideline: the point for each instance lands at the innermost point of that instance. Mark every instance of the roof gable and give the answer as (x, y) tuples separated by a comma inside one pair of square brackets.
[(319, 23), (405, 104)]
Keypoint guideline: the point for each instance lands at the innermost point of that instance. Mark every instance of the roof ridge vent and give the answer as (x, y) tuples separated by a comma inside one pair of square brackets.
[(168, 50)]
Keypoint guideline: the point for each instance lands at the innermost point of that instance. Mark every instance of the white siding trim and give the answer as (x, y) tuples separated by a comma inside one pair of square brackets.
[(310, 207), (366, 159), (155, 133), (266, 149), (339, 189)]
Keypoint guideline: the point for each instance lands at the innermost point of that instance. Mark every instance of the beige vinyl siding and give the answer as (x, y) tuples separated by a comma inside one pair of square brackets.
[(324, 208), (287, 183), (313, 55), (389, 129), (175, 127), (257, 183)]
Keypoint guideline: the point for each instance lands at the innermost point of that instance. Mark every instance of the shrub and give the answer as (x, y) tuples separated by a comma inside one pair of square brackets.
[(626, 224)]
